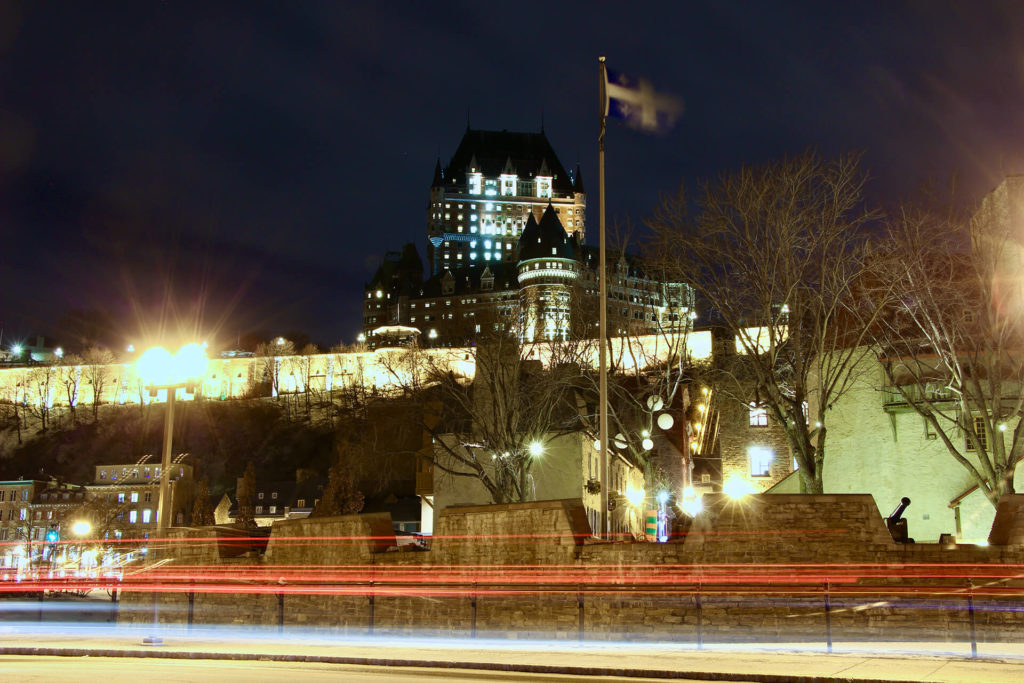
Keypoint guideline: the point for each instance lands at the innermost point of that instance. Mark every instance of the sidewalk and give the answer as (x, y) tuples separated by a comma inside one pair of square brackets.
[(770, 663)]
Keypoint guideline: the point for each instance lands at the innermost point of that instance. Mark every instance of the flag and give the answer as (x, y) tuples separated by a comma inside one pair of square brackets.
[(635, 102)]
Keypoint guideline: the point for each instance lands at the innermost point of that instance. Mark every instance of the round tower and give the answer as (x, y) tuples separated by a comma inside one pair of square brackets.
[(549, 271)]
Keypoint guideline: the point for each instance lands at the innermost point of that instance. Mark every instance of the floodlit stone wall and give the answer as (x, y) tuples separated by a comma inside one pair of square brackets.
[(698, 586), (226, 378)]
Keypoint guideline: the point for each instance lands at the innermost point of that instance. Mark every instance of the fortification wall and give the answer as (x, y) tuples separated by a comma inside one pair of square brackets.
[(227, 378), (772, 567)]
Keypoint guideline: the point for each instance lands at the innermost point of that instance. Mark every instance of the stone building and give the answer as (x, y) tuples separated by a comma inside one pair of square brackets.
[(125, 498), (16, 498), (481, 202), (755, 454), (495, 213)]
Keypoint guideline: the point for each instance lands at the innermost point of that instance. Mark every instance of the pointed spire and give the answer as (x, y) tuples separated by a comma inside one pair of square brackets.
[(509, 169), (577, 181), (474, 165), (438, 176)]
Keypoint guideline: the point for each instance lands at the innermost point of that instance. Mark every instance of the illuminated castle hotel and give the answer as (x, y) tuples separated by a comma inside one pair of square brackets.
[(505, 229)]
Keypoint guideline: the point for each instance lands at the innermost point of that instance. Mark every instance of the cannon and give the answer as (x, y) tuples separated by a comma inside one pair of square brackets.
[(897, 525)]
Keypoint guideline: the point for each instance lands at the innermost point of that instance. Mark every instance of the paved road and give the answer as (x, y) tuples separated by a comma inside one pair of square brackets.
[(32, 668), (223, 652)]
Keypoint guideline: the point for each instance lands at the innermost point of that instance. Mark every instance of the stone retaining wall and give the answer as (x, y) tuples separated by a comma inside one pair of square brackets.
[(769, 568)]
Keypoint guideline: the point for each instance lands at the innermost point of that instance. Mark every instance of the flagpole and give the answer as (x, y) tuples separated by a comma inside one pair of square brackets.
[(603, 326)]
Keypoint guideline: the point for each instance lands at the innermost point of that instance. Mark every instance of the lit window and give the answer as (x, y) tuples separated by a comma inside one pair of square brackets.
[(760, 461), (259, 509), (472, 256), (146, 515), (133, 516), (979, 429), (120, 498), (758, 416), (135, 497), (273, 509)]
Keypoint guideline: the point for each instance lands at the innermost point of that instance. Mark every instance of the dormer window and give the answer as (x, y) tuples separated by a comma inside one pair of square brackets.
[(475, 182), (544, 187), (508, 184)]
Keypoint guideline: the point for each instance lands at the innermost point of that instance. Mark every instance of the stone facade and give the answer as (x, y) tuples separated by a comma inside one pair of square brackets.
[(768, 568), (884, 450), (743, 444)]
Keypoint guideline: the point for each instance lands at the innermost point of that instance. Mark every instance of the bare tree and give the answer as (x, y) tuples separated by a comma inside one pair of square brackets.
[(305, 367), (489, 428), (70, 378), (953, 348), (41, 384), (271, 356), (773, 252), (202, 513), (96, 372), (648, 360), (340, 496)]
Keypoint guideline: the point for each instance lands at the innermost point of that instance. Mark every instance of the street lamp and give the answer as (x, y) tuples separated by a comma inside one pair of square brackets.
[(160, 370)]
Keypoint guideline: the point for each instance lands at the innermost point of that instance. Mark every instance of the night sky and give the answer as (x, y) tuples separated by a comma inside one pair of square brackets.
[(214, 168)]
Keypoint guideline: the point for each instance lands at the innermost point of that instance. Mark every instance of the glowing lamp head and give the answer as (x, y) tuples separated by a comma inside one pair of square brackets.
[(666, 421), (59, 352), (635, 496), (81, 528), (155, 366), (190, 362), (737, 489), (536, 449), (597, 444), (361, 338), (647, 444), (692, 506), (663, 497), (16, 349)]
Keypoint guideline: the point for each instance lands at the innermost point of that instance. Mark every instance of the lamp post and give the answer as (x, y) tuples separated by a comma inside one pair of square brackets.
[(160, 370)]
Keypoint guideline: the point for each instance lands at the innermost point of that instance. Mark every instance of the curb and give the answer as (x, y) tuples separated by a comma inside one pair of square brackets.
[(440, 664)]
